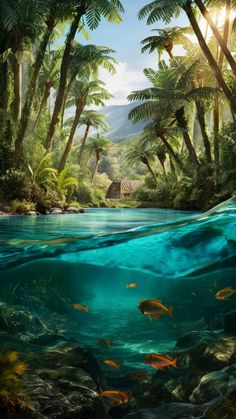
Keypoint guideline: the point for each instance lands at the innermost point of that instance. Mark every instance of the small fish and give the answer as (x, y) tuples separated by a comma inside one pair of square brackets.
[(104, 342), (132, 285), (61, 331), (174, 325), (154, 309), (139, 376), (160, 361), (80, 307), (225, 293), (194, 294), (111, 363), (115, 397)]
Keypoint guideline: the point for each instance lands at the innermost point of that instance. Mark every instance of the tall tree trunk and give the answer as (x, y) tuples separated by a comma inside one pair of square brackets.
[(182, 123), (146, 162), (17, 88), (172, 153), (220, 40), (67, 90), (4, 86), (163, 168), (68, 148), (216, 110), (202, 122), (31, 90), (81, 151), (43, 104), (211, 60), (63, 76), (96, 166)]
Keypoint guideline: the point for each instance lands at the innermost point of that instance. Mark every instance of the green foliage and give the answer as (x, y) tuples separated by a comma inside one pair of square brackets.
[(22, 207), (12, 393), (90, 195), (14, 185)]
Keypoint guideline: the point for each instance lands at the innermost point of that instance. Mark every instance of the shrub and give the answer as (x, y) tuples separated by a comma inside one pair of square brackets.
[(14, 184), (21, 207), (90, 195)]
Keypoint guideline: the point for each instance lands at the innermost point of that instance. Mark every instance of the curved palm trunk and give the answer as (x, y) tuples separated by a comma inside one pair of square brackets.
[(67, 90), (182, 123), (81, 151), (31, 90), (220, 40), (211, 60), (96, 166), (69, 144), (43, 104), (146, 162), (202, 123), (163, 168), (172, 153), (63, 76)]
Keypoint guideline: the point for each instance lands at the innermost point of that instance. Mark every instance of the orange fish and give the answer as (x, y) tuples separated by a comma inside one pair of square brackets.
[(160, 361), (139, 376), (132, 285), (80, 307), (115, 397), (104, 342), (154, 309), (111, 363), (225, 293)]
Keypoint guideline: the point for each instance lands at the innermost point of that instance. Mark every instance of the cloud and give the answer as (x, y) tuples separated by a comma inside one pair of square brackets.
[(122, 83)]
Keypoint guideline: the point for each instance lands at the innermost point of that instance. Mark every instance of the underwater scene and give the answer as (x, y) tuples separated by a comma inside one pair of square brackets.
[(119, 313)]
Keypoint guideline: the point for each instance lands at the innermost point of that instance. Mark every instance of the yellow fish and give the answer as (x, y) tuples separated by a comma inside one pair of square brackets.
[(154, 309), (80, 307), (225, 293)]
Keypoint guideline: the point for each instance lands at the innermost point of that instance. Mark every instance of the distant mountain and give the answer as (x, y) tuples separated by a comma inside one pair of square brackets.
[(120, 126)]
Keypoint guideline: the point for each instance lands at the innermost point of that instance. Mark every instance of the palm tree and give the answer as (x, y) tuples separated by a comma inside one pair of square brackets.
[(137, 153), (172, 91), (97, 146), (94, 11), (159, 10), (90, 119), (21, 21), (221, 41), (84, 60), (165, 41), (48, 78), (53, 12), (82, 94)]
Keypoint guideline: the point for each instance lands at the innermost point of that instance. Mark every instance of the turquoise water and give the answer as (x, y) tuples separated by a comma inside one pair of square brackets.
[(49, 263)]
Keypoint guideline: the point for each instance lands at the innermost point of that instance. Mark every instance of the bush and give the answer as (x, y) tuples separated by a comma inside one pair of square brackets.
[(14, 185), (21, 207), (91, 196)]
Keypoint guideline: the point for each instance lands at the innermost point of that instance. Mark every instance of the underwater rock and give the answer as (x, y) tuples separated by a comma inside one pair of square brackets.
[(230, 322), (15, 320), (169, 411), (63, 398), (215, 384)]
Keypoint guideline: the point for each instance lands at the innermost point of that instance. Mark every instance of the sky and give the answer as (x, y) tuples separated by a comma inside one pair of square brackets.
[(125, 40)]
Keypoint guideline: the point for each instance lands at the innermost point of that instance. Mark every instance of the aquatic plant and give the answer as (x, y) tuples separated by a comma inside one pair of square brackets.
[(12, 393)]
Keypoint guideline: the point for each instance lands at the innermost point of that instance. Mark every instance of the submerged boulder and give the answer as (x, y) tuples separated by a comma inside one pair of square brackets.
[(215, 384), (230, 322)]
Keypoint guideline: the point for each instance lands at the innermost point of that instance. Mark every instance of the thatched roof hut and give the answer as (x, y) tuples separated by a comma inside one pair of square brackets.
[(123, 189)]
